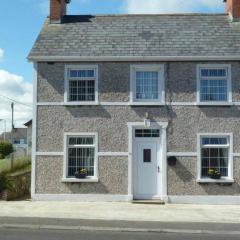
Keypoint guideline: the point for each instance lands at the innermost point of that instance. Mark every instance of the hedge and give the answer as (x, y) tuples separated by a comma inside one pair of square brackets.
[(5, 149)]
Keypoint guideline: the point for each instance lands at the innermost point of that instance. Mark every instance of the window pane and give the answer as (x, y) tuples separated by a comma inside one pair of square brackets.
[(81, 141), (213, 84), (213, 90), (81, 73), (81, 85), (214, 72), (147, 85), (147, 155), (80, 158), (214, 141), (82, 90), (214, 158), (147, 133)]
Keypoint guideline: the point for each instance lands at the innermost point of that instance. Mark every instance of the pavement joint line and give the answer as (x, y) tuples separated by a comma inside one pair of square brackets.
[(116, 229)]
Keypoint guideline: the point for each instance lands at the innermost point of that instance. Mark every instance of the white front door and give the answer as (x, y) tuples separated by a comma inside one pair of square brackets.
[(146, 168)]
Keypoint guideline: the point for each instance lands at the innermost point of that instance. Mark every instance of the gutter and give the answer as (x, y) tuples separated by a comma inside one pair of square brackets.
[(131, 58)]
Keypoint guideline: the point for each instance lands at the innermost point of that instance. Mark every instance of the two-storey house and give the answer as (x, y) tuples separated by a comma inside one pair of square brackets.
[(146, 106)]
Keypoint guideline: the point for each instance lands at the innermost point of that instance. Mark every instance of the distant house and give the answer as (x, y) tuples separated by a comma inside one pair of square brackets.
[(18, 137), (29, 137)]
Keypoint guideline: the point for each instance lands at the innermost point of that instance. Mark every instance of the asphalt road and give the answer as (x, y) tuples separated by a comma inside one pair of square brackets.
[(25, 234)]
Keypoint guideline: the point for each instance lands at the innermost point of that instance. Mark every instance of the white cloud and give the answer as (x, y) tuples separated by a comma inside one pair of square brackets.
[(1, 54), (14, 87), (173, 6)]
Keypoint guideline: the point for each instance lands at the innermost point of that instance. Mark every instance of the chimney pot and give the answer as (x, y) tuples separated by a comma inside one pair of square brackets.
[(58, 9), (233, 9)]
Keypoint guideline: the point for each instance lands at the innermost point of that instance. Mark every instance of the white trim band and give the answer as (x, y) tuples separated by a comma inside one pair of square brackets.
[(182, 154), (82, 197), (99, 154), (49, 153), (34, 130), (124, 154), (201, 199), (224, 104)]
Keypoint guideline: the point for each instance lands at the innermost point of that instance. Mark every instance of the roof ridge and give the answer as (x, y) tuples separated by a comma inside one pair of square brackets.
[(148, 14)]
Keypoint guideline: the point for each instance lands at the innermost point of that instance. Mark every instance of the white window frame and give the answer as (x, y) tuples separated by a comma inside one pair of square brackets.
[(65, 163), (230, 157), (229, 84), (66, 84), (161, 86)]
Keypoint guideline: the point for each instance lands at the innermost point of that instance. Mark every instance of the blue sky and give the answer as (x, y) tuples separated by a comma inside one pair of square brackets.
[(21, 21)]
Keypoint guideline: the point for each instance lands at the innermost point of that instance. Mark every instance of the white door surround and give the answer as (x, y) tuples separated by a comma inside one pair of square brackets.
[(158, 168)]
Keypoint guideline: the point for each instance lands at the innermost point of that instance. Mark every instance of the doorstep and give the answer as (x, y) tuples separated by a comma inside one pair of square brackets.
[(154, 202)]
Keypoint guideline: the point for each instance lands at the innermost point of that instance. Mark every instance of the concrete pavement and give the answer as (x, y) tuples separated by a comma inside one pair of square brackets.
[(122, 212)]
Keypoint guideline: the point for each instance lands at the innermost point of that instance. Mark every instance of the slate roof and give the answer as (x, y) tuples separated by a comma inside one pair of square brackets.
[(139, 35)]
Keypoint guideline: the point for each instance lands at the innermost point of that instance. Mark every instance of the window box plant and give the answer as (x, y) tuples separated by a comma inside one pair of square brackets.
[(82, 173), (214, 173)]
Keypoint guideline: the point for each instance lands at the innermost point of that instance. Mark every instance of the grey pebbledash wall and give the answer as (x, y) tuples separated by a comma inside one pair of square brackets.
[(113, 177), (111, 124)]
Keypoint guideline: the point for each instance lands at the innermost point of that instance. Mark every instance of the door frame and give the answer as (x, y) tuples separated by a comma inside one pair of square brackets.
[(162, 180)]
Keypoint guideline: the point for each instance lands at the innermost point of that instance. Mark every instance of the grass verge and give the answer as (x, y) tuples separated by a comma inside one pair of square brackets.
[(18, 165)]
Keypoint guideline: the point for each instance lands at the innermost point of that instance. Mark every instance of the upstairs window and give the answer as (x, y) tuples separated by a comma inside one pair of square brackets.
[(214, 83), (82, 84), (147, 84)]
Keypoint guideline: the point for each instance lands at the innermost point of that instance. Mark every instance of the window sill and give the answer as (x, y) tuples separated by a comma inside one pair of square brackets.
[(76, 180), (209, 180), (147, 104), (214, 104), (80, 103)]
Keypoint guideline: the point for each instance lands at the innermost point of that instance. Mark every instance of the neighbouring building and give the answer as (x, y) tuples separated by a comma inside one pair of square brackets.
[(18, 137), (147, 105), (29, 137)]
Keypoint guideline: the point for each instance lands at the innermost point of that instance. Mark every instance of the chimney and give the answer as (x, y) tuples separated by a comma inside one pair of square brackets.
[(233, 8), (58, 9)]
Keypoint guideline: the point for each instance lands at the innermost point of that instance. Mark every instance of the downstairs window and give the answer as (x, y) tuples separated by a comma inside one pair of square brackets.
[(81, 155), (215, 156)]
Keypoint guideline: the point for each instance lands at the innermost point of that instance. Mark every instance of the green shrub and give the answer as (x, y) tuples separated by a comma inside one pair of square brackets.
[(1, 156), (5, 149), (5, 183)]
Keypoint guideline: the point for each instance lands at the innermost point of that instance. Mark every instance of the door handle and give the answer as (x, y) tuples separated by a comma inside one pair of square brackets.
[(158, 169)]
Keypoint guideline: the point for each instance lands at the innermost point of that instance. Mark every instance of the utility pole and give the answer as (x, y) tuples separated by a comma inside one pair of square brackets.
[(12, 155), (12, 107)]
